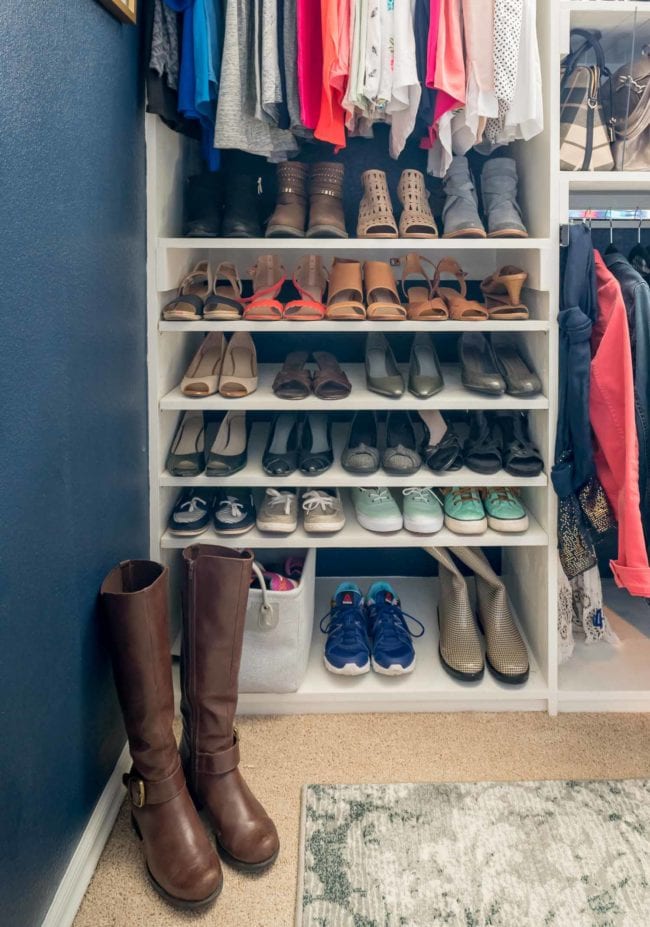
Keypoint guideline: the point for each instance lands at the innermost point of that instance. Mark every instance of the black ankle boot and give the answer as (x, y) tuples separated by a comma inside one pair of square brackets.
[(241, 217), (203, 205)]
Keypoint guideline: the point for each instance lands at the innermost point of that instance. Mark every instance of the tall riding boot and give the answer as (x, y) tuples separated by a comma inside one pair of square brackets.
[(181, 861), (215, 593), (460, 647), (326, 218), (290, 214), (507, 656)]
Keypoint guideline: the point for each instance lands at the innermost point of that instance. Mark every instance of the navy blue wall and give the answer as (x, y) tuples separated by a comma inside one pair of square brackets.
[(72, 418)]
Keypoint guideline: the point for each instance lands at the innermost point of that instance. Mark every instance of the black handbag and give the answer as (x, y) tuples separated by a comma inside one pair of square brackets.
[(585, 135)]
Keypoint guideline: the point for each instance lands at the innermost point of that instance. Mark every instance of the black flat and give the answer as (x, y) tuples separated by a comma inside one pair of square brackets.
[(280, 456), (316, 451)]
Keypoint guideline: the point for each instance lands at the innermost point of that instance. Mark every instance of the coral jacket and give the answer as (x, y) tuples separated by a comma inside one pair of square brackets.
[(612, 416)]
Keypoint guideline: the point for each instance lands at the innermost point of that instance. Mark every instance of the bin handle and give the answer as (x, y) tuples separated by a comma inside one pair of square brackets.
[(266, 621)]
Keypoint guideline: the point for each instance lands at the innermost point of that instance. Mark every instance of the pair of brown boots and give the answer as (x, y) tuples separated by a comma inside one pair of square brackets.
[(318, 185), (164, 790)]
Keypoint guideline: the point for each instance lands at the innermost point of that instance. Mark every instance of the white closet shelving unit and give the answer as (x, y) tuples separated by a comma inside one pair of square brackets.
[(529, 561)]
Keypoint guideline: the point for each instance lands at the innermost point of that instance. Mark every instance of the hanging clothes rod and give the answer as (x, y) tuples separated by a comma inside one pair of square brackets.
[(609, 215)]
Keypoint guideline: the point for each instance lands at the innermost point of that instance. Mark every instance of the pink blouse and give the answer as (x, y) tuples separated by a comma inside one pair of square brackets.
[(310, 61)]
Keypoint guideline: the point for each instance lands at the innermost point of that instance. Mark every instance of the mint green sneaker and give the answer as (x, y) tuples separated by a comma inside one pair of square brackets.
[(464, 512), (376, 510), (504, 510), (422, 511)]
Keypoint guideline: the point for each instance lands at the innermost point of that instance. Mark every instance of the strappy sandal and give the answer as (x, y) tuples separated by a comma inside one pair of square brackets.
[(268, 276), (502, 291), (187, 305), (310, 279), (376, 219), (292, 381), (382, 297), (520, 456), (422, 305), (481, 451), (202, 376), (417, 219), (442, 450), (461, 309), (329, 381), (187, 452), (225, 301), (239, 369), (345, 292)]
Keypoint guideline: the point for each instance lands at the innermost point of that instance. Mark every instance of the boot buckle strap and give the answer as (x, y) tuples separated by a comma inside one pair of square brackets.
[(142, 792), (217, 764)]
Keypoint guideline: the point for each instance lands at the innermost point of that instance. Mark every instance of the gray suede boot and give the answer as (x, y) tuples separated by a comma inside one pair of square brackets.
[(460, 213), (499, 191)]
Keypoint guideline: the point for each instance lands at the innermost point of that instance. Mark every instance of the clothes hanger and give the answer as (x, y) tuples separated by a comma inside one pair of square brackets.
[(611, 248), (639, 257)]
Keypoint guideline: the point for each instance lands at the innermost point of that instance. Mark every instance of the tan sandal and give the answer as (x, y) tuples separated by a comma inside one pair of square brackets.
[(187, 305), (345, 292), (310, 279), (502, 291), (225, 301), (382, 297), (268, 276), (376, 219), (202, 376), (461, 309), (421, 303), (417, 219), (239, 369)]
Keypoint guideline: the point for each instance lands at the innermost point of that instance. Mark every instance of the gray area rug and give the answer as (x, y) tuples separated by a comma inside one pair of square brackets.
[(524, 854)]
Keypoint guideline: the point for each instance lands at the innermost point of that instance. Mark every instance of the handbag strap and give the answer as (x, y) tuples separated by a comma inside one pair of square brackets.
[(591, 42), (266, 620)]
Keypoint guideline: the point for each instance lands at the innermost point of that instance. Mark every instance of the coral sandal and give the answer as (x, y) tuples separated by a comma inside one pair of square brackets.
[(345, 296), (225, 302), (461, 309), (268, 275), (187, 305), (502, 291), (310, 279), (422, 305), (381, 292)]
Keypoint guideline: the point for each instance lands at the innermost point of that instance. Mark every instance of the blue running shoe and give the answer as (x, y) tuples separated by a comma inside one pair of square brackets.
[(393, 653), (347, 649)]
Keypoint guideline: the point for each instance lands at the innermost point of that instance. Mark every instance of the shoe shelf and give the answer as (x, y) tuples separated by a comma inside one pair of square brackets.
[(327, 326), (254, 476), (353, 535), (452, 396), (427, 688)]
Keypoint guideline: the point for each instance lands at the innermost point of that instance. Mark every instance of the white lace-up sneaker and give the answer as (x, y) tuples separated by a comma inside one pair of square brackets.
[(279, 511), (322, 511)]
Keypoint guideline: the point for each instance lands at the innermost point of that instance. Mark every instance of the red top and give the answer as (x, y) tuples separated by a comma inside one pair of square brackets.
[(310, 61), (335, 26), (612, 415)]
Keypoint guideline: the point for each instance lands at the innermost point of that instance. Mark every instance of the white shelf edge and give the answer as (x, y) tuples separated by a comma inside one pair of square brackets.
[(326, 327), (396, 245)]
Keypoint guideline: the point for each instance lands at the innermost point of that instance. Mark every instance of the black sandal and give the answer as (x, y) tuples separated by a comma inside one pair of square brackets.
[(482, 452), (447, 453), (316, 451), (520, 456), (281, 452)]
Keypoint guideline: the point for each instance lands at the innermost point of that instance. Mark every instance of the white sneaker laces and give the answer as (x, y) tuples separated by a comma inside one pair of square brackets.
[(420, 494), (316, 498), (234, 508), (274, 497), (377, 495), (192, 505)]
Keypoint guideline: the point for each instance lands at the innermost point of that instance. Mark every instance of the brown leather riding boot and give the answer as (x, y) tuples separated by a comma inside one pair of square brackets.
[(215, 594), (326, 217), (290, 214), (181, 861)]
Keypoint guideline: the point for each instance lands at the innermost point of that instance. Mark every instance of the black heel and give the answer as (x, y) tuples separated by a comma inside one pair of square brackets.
[(316, 451), (281, 452)]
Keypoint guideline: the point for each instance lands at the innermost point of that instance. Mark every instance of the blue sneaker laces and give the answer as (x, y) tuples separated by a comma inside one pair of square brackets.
[(345, 623), (389, 623)]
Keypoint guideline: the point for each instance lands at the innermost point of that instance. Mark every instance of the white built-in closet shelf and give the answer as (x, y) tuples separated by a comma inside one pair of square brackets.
[(608, 181), (326, 326), (335, 245), (453, 396)]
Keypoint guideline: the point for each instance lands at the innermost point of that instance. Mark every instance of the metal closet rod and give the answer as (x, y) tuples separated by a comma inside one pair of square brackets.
[(609, 215)]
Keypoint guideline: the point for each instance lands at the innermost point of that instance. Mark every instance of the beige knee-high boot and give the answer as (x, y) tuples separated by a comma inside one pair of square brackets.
[(460, 646), (507, 656)]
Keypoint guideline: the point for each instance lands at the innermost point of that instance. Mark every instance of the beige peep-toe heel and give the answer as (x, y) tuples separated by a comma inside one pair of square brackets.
[(202, 376), (239, 368)]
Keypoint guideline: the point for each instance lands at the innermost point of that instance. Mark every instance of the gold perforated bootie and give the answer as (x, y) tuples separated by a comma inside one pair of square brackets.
[(376, 219), (417, 219)]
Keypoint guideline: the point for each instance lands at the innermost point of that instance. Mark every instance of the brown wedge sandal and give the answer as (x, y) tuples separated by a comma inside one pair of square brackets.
[(225, 301), (382, 297), (376, 219), (421, 305), (502, 291), (461, 309), (292, 381), (310, 279), (329, 380), (345, 292), (187, 305), (202, 376), (417, 219)]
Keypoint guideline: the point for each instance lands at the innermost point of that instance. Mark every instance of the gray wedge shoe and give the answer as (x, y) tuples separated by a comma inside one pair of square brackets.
[(460, 213), (507, 657), (499, 192), (460, 645), (479, 371)]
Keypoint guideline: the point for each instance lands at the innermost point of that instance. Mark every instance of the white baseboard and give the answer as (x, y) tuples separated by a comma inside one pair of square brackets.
[(76, 879)]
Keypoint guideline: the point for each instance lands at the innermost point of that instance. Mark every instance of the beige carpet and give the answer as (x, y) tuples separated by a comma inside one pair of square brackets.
[(280, 754)]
